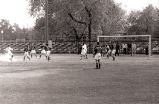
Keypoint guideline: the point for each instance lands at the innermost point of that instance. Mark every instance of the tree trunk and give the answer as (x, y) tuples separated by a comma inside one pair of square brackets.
[(90, 34)]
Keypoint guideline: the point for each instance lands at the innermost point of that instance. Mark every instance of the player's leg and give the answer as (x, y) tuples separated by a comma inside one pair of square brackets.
[(86, 56), (28, 56), (108, 54), (36, 54), (40, 55), (99, 64), (82, 54), (81, 57), (113, 56), (96, 64), (48, 55), (24, 56), (48, 58), (31, 53), (11, 57)]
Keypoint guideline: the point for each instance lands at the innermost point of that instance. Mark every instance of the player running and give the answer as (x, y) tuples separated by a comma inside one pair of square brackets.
[(33, 52), (43, 51), (97, 52), (48, 51), (84, 51), (9, 53), (113, 54), (26, 53), (108, 51)]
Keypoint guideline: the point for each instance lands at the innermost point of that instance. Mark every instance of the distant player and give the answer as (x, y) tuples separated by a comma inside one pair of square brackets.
[(113, 54), (97, 52), (117, 49), (84, 51), (108, 51), (33, 52), (26, 53), (43, 51), (48, 51), (133, 48), (9, 53)]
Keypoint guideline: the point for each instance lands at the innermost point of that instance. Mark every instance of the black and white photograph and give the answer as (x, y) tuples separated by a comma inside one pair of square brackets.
[(79, 51)]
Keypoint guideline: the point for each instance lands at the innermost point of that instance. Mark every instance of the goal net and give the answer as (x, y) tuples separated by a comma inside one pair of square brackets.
[(128, 44)]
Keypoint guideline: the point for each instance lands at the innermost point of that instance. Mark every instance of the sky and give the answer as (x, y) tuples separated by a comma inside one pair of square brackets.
[(17, 11), (130, 5)]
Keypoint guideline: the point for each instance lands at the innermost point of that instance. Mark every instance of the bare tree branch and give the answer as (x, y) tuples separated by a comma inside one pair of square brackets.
[(76, 19)]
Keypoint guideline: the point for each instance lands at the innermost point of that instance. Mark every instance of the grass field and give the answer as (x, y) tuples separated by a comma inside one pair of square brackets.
[(68, 80)]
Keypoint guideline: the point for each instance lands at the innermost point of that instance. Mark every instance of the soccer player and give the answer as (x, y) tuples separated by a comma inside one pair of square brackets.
[(113, 54), (43, 51), (108, 51), (48, 51), (9, 52), (33, 52), (117, 49), (133, 48), (84, 51), (97, 52), (26, 53)]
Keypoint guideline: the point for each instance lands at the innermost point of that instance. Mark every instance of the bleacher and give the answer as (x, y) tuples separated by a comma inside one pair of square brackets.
[(58, 47)]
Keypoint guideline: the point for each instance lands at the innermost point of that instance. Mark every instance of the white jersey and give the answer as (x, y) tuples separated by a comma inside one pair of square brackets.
[(84, 49), (43, 51), (33, 51), (113, 52), (48, 53), (9, 50)]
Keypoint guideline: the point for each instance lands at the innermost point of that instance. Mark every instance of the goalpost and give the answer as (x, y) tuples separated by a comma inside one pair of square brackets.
[(129, 36)]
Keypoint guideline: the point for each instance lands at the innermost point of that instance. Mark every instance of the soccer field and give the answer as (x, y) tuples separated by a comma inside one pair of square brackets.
[(66, 79)]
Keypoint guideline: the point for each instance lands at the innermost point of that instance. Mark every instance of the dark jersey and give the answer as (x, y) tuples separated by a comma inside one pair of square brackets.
[(97, 49), (26, 49), (117, 47)]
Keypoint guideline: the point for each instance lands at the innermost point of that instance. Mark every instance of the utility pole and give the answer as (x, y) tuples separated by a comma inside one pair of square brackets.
[(46, 21)]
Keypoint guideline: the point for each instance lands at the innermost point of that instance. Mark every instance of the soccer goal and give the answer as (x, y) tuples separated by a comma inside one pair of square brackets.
[(146, 39)]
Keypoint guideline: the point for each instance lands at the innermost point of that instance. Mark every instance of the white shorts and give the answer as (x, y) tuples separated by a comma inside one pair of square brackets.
[(43, 52), (48, 53), (97, 56), (33, 52), (26, 53), (83, 52), (109, 52), (113, 52), (10, 53)]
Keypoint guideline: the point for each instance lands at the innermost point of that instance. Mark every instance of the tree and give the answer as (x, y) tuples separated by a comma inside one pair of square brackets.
[(132, 26), (156, 24), (143, 22), (80, 18), (7, 31)]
